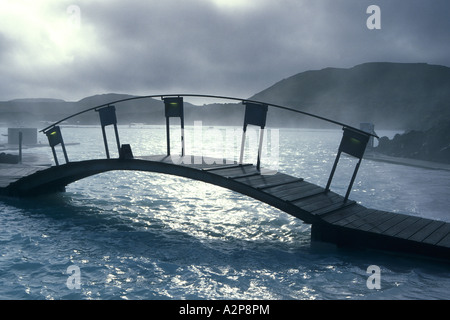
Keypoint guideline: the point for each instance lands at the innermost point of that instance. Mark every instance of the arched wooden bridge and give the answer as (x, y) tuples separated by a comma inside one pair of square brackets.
[(334, 218)]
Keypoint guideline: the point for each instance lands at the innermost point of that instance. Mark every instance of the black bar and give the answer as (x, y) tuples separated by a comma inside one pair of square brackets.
[(279, 184), (327, 188), (117, 138), (54, 156), (20, 146), (352, 181), (105, 141), (63, 146), (54, 138), (241, 156), (182, 134), (168, 136), (258, 159)]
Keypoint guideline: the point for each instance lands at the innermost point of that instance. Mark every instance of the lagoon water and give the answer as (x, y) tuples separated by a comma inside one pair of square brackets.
[(135, 235)]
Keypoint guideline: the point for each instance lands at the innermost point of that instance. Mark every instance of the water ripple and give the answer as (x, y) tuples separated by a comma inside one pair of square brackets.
[(150, 236)]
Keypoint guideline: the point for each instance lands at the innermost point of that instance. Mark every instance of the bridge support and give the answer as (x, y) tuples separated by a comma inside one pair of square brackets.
[(174, 108), (108, 117), (54, 138), (353, 143), (255, 114)]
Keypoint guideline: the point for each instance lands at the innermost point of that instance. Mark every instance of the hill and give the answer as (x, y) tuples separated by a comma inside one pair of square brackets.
[(429, 145), (41, 112), (35, 112), (391, 95), (403, 96)]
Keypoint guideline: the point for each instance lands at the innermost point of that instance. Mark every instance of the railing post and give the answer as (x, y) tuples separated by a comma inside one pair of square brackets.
[(20, 146), (352, 180), (54, 138), (241, 157), (108, 117), (255, 114), (261, 138), (168, 135), (353, 143), (174, 108), (105, 142), (327, 188)]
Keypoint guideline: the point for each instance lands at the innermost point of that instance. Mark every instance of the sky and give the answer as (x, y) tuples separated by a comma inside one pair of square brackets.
[(73, 49)]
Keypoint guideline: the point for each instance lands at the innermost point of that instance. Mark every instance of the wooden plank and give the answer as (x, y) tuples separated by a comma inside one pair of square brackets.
[(333, 207), (402, 225), (263, 180), (266, 180), (439, 234), (323, 203), (293, 188), (325, 198), (297, 193), (386, 221), (310, 192), (230, 166), (359, 218), (426, 231), (285, 184), (10, 173), (307, 193), (281, 184), (412, 229), (343, 214), (234, 171), (244, 175), (371, 222), (346, 215), (264, 177), (445, 242)]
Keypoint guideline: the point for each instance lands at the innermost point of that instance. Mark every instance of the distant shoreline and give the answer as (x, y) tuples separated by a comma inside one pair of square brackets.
[(375, 156)]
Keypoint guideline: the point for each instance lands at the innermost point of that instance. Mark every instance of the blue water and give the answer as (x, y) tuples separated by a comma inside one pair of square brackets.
[(137, 235)]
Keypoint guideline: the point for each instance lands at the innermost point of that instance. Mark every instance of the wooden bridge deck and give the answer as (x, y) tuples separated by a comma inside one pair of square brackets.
[(31, 163), (333, 220), (348, 223)]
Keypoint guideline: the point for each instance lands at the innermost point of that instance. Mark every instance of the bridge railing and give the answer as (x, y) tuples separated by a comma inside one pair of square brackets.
[(354, 141)]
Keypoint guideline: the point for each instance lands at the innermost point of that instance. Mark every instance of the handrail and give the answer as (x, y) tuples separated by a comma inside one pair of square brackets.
[(214, 97), (354, 140)]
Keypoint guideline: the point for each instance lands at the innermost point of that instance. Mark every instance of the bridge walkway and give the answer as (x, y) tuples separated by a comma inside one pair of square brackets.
[(334, 218)]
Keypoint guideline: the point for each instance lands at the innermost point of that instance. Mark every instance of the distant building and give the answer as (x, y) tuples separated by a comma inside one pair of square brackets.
[(370, 128)]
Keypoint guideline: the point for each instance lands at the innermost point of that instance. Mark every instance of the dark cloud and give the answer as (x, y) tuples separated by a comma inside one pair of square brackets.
[(146, 47)]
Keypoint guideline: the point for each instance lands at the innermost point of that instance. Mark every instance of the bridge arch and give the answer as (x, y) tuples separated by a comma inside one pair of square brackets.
[(56, 178), (354, 141), (334, 218)]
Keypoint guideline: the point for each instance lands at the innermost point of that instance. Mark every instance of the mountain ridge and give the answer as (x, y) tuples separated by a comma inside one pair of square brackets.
[(400, 95), (391, 95)]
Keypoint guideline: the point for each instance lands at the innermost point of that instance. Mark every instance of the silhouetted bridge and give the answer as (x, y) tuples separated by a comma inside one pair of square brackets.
[(334, 218)]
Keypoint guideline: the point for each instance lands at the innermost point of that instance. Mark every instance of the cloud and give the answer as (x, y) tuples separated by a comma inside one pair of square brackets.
[(235, 48)]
